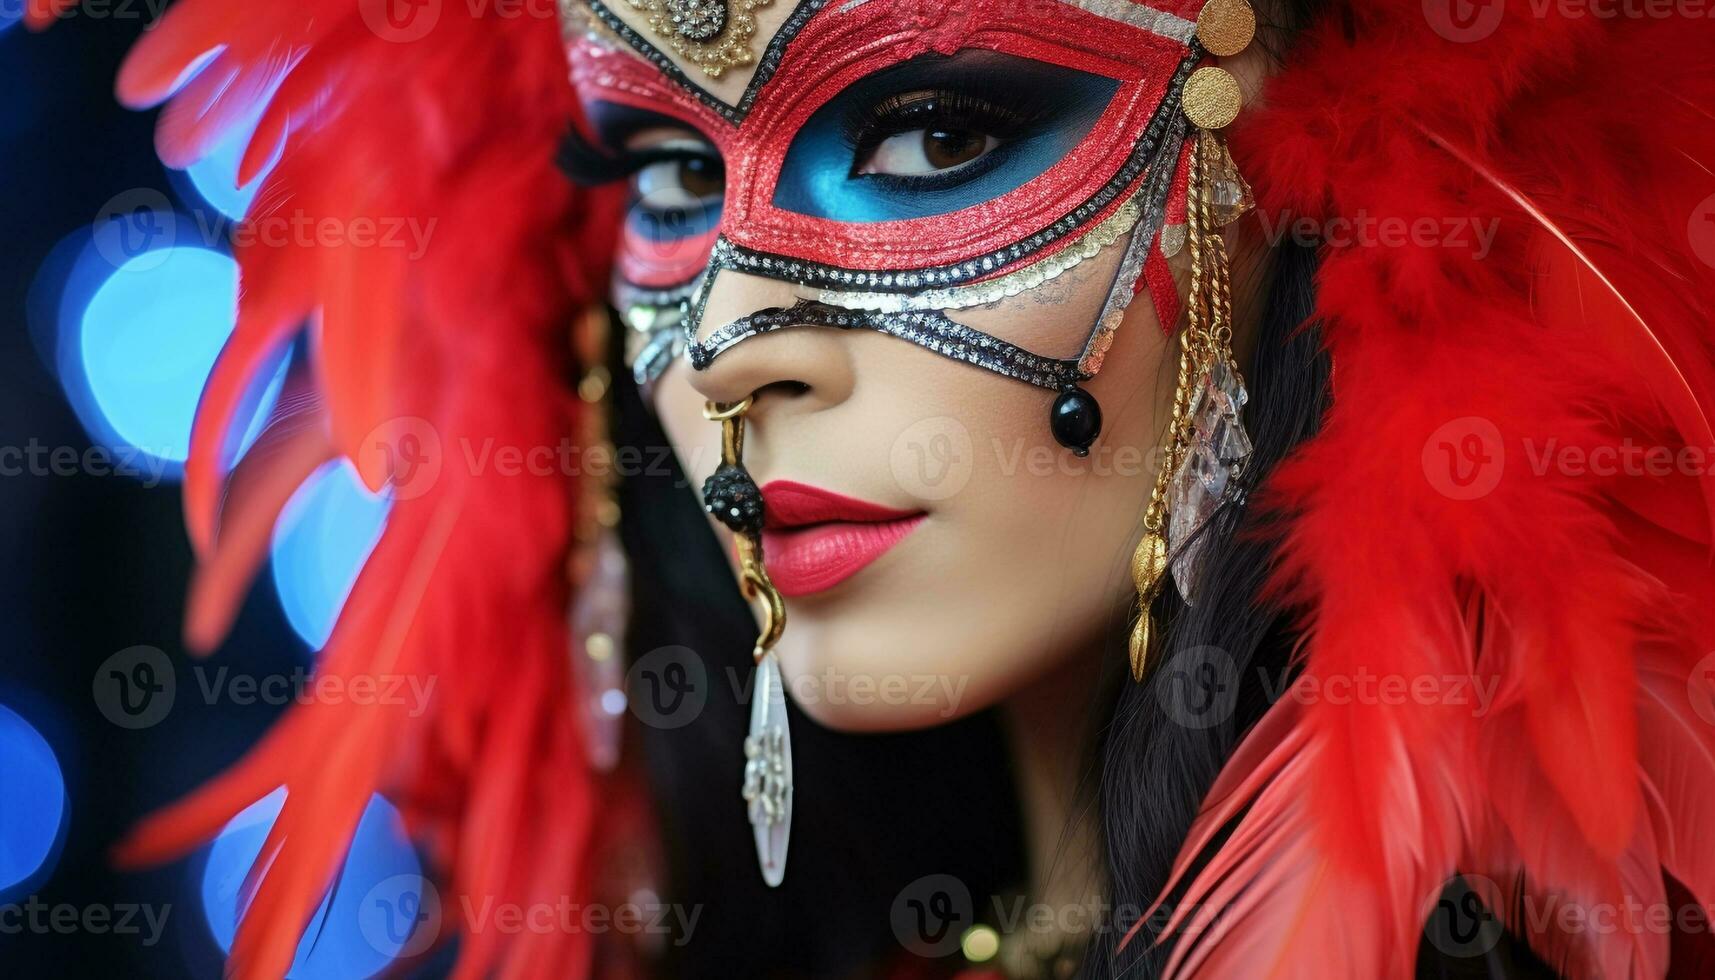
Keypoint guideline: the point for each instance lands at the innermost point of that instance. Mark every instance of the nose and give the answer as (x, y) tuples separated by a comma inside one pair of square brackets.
[(798, 368)]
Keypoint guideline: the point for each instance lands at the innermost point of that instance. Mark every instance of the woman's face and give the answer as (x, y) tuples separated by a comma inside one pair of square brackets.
[(997, 171)]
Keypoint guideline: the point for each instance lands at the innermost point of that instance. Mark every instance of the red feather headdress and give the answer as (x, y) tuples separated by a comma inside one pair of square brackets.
[(463, 345), (1512, 494), (1509, 298)]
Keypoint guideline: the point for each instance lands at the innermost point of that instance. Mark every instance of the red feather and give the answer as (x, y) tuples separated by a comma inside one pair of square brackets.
[(416, 224), (1583, 330)]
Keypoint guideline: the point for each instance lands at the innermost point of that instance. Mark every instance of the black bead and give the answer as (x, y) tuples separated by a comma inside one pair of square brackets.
[(733, 498), (1076, 419)]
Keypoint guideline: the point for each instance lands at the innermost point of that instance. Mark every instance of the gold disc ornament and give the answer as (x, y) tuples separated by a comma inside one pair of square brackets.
[(1226, 27), (1212, 98)]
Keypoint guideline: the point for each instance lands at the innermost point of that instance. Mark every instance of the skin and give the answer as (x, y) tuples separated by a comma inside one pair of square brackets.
[(1019, 574)]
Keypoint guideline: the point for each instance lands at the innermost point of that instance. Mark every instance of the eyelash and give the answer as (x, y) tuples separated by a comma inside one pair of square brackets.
[(1004, 118), (589, 165)]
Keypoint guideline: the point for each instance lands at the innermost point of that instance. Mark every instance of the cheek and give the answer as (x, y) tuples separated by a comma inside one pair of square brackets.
[(695, 440), (1024, 558)]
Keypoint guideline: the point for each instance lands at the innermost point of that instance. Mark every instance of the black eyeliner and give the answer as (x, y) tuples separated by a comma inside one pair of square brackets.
[(588, 165)]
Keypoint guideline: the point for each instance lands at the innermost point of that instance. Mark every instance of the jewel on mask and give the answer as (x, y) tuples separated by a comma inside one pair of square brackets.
[(697, 20), (714, 35)]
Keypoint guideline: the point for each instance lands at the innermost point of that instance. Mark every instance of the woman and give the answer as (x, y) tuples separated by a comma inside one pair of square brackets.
[(1323, 589)]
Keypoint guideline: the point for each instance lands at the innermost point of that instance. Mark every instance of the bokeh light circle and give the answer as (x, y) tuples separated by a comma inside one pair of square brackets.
[(146, 341), (32, 804), (323, 537), (340, 942)]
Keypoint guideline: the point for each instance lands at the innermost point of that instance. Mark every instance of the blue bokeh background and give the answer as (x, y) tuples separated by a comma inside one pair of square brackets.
[(117, 290)]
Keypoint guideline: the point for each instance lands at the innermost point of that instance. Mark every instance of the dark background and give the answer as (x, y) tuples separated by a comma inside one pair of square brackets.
[(94, 564)]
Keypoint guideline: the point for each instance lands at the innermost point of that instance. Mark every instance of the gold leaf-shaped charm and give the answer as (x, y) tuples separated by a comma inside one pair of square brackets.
[(1148, 564), (1139, 646), (1148, 568)]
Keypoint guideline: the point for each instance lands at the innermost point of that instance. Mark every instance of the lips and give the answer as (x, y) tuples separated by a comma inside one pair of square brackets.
[(814, 539)]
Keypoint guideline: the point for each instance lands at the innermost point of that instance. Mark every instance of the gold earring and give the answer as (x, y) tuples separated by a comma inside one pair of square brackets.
[(1206, 444)]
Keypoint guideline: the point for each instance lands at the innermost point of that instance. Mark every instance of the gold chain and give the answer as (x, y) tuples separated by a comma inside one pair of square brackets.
[(1207, 339)]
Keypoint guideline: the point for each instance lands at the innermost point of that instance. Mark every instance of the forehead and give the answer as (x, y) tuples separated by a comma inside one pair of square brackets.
[(725, 50)]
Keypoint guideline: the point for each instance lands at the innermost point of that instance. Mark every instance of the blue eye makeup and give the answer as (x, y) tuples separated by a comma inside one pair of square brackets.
[(936, 135)]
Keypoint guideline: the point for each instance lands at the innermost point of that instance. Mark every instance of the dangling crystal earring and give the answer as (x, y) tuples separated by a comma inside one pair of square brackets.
[(1207, 445), (733, 498)]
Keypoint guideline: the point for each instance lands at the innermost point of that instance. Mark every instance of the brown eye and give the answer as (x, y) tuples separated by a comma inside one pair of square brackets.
[(948, 148), (702, 177), (691, 179), (927, 151)]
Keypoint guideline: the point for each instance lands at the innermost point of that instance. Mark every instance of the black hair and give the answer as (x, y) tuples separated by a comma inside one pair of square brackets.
[(1170, 735)]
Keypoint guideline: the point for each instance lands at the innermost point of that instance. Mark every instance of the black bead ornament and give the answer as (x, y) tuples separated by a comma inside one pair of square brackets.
[(734, 500), (1076, 419)]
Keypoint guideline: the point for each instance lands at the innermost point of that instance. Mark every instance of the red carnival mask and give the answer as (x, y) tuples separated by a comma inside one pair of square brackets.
[(1075, 102)]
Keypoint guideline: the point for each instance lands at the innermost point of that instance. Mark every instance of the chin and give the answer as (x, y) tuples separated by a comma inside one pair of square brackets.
[(861, 674)]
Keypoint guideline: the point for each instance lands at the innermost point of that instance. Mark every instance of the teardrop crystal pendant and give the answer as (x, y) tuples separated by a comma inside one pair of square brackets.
[(768, 771), (1230, 193), (1214, 458)]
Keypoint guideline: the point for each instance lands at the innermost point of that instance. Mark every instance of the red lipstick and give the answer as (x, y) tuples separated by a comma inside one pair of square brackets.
[(814, 539)]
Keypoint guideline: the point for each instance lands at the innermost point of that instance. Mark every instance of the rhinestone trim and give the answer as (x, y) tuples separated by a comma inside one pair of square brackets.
[(1111, 230), (1153, 197), (929, 329)]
